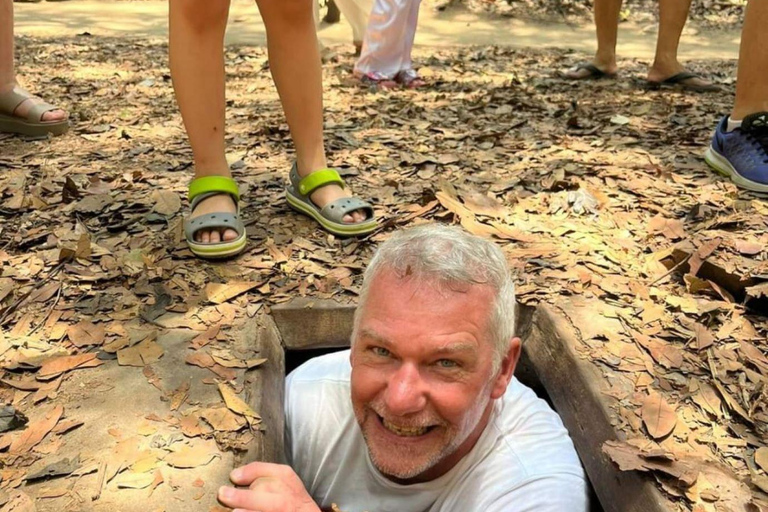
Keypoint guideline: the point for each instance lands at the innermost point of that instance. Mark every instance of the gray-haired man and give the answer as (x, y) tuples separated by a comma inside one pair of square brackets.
[(423, 414)]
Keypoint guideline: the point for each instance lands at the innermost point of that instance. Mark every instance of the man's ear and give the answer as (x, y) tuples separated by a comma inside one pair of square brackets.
[(507, 370)]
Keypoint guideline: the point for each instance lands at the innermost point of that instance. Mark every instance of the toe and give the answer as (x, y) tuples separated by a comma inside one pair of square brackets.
[(206, 237), (215, 236), (55, 115), (229, 235)]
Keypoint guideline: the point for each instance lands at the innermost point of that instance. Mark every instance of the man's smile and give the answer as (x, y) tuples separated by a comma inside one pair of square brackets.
[(400, 430)]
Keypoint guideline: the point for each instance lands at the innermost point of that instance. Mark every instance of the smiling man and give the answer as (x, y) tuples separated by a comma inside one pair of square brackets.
[(423, 414)]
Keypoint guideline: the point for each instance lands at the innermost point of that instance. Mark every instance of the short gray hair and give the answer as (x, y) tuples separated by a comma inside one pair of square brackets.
[(448, 255)]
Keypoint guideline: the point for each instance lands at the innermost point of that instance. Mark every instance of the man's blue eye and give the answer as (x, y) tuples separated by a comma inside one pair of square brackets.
[(447, 363), (380, 351)]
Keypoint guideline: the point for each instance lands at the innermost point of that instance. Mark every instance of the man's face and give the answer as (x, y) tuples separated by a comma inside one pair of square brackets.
[(422, 379)]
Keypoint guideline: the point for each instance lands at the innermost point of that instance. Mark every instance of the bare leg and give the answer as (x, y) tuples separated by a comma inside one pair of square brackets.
[(7, 74), (752, 84), (7, 71), (607, 28), (672, 17), (197, 66), (295, 64)]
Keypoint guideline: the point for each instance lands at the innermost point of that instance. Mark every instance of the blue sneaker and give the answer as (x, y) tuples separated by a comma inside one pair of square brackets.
[(742, 154)]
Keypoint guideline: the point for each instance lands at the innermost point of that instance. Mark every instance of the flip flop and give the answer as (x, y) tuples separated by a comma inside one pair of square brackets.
[(595, 73), (678, 81), (331, 216), (377, 80), (33, 125), (203, 188)]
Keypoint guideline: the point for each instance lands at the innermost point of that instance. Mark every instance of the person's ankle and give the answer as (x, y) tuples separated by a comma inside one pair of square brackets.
[(7, 85), (666, 63), (310, 165), (604, 60), (742, 111)]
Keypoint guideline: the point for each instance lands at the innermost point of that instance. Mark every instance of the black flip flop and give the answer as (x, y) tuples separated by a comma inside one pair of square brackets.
[(595, 73), (679, 79)]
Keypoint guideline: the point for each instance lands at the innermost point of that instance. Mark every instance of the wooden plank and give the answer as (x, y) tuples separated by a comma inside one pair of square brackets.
[(574, 386), (265, 390), (314, 323)]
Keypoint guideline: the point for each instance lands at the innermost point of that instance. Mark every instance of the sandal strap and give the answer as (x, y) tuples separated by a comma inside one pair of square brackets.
[(680, 77), (336, 210), (308, 184), (213, 221), (213, 185), (37, 111), (11, 100)]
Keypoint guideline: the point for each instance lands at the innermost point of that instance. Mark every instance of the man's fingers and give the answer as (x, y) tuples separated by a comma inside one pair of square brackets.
[(245, 475), (247, 500)]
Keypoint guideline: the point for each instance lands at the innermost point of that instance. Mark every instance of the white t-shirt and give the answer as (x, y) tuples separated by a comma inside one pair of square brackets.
[(523, 462)]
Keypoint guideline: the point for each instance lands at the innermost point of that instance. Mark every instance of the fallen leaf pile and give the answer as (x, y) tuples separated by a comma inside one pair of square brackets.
[(597, 193)]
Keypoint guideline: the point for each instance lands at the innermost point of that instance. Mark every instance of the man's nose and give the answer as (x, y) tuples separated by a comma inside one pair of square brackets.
[(405, 392)]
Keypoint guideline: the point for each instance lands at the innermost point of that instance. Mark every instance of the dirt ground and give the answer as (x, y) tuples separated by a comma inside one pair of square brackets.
[(594, 190)]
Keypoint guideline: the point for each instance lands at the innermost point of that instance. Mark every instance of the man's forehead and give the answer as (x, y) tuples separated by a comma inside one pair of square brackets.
[(388, 279), (450, 343)]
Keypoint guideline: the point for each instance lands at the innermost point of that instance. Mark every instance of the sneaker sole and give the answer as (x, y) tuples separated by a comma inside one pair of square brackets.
[(721, 165)]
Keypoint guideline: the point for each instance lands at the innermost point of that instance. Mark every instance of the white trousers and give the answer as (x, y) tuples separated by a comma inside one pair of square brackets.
[(355, 12), (389, 38)]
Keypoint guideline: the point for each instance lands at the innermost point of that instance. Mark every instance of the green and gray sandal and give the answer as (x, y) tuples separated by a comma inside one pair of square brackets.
[(331, 216), (32, 125), (203, 188)]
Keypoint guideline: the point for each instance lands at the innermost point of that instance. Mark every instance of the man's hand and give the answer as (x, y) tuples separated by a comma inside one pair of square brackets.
[(271, 488)]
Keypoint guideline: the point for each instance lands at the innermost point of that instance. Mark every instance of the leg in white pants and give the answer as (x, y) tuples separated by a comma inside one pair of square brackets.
[(389, 38), (356, 13)]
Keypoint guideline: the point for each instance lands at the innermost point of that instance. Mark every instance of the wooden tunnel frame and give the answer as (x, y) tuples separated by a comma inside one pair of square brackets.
[(549, 360)]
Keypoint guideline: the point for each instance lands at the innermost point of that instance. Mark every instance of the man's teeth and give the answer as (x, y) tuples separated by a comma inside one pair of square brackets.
[(405, 431)]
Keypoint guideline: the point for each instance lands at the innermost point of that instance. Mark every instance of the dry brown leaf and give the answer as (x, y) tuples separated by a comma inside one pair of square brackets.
[(36, 431), (704, 337), (658, 416), (84, 334), (205, 338), (201, 359), (179, 395), (55, 367), (191, 457), (629, 458), (761, 458), (671, 229), (223, 420), (749, 247), (707, 398), (218, 293), (166, 202), (146, 352), (237, 405), (131, 480), (158, 479)]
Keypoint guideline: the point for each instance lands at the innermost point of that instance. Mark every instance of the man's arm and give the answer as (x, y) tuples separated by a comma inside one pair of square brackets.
[(271, 488)]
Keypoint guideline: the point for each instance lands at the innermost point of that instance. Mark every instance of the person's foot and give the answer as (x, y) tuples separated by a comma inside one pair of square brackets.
[(330, 193), (25, 106), (409, 79), (220, 203), (594, 69), (376, 80), (659, 74), (742, 154)]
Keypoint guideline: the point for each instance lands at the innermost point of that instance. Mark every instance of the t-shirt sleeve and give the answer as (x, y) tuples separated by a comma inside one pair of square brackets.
[(315, 394), (550, 493)]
